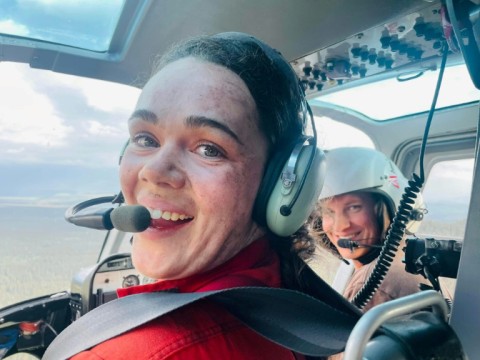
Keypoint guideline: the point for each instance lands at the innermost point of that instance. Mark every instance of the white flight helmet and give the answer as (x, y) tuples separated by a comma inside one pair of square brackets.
[(357, 168)]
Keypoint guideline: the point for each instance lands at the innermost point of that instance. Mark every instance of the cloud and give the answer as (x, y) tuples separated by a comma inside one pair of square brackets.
[(14, 151), (108, 96), (96, 128), (103, 96), (48, 2), (48, 117), (34, 201), (461, 170), (27, 117), (53, 201), (9, 26), (82, 23)]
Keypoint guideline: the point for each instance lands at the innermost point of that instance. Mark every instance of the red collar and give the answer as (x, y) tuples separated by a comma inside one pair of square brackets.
[(256, 265)]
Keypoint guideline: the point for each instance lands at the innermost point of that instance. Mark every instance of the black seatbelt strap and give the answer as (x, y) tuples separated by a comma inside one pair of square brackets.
[(289, 318)]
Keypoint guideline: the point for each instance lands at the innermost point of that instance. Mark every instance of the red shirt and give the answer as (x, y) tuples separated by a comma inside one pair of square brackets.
[(203, 330)]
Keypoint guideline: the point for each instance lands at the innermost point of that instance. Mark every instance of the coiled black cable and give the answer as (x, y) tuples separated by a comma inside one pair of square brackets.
[(404, 211), (392, 241)]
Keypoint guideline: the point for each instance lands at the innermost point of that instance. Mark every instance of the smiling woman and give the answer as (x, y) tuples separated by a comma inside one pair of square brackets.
[(60, 136)]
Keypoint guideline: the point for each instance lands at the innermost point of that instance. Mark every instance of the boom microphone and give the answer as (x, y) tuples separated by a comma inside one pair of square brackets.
[(127, 218), (131, 218), (351, 244)]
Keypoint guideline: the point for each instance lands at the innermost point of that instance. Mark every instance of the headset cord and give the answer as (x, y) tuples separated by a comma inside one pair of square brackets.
[(432, 108), (391, 243), (403, 215)]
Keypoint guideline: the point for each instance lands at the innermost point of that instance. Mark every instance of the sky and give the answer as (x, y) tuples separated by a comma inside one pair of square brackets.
[(52, 20), (44, 111), (407, 101), (61, 135)]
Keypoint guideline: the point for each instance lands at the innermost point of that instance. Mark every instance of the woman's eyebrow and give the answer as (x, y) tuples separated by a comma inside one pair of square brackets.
[(145, 115), (191, 121), (201, 121)]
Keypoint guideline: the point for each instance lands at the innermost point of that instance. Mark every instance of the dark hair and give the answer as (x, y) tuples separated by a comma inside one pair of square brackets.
[(279, 99), (316, 226), (277, 93)]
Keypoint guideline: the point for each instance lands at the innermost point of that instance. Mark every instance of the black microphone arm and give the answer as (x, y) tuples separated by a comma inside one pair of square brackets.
[(127, 218), (351, 244), (99, 219)]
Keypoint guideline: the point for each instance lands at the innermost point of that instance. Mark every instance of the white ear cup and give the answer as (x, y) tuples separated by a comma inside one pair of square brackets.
[(281, 196)]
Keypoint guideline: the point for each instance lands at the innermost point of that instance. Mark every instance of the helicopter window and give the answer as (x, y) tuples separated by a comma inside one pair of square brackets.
[(61, 136), (396, 97), (447, 209), (92, 30)]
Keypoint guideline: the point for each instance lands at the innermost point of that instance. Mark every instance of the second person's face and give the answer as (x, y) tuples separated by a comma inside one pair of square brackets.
[(351, 216), (195, 159)]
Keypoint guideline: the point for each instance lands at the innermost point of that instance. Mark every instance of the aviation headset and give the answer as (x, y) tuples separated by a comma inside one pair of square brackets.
[(294, 175)]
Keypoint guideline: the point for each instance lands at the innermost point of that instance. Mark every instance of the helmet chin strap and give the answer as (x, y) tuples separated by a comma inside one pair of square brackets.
[(369, 256)]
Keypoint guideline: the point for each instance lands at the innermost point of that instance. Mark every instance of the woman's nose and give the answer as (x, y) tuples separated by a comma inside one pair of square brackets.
[(341, 222), (164, 168)]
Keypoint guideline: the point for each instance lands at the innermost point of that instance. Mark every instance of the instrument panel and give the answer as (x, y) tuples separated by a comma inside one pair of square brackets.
[(94, 286)]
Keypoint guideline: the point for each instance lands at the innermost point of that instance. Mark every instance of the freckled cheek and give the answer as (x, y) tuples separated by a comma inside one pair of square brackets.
[(128, 178), (249, 181), (235, 191)]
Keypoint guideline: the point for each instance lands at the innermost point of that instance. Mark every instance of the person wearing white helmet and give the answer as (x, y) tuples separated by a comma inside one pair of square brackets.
[(359, 199)]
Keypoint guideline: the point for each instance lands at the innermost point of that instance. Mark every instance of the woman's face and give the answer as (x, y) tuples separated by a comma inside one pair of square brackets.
[(195, 159), (351, 216)]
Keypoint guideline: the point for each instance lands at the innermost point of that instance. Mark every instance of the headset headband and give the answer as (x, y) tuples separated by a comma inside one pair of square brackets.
[(279, 62)]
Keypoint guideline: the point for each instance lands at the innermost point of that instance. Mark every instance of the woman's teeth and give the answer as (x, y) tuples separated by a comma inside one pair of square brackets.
[(167, 215)]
